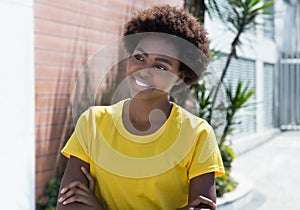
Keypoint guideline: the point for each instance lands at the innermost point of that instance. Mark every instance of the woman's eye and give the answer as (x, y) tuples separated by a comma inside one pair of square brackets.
[(160, 67), (139, 57)]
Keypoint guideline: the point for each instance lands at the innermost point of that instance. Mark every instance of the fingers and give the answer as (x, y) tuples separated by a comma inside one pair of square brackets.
[(89, 177), (75, 184), (193, 208), (77, 193), (201, 199), (74, 189), (75, 198)]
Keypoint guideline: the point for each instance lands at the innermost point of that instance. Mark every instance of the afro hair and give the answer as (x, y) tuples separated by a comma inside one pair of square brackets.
[(174, 21)]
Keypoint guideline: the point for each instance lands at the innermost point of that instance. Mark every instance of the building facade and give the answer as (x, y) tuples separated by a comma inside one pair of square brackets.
[(275, 37), (44, 44)]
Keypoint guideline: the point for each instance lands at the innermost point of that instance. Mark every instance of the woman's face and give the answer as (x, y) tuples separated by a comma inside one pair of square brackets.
[(153, 68)]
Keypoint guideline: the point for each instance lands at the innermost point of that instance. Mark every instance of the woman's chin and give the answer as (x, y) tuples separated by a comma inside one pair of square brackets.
[(147, 93)]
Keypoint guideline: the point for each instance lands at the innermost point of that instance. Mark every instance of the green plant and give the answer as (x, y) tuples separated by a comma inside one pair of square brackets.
[(48, 200), (203, 98), (227, 155), (237, 99), (224, 184), (239, 16), (199, 7)]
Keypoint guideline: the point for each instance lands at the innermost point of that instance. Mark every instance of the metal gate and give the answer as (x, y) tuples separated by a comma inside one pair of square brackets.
[(289, 93)]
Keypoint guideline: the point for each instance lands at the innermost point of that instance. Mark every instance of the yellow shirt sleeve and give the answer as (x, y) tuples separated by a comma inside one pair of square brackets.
[(206, 156), (78, 143)]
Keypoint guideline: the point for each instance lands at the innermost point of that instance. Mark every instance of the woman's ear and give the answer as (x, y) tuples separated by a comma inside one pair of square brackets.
[(180, 79)]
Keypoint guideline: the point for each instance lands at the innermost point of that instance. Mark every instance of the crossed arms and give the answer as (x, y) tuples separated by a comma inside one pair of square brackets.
[(77, 189)]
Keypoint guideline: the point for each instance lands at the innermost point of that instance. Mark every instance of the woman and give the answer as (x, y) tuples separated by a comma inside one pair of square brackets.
[(147, 152)]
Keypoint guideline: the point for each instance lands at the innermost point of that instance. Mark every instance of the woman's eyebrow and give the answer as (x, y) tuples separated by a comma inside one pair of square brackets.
[(165, 60), (142, 51)]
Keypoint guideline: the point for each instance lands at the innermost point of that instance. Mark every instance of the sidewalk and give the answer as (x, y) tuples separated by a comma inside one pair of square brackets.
[(274, 170)]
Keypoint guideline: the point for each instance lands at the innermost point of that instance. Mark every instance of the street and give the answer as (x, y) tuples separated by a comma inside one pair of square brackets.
[(274, 170)]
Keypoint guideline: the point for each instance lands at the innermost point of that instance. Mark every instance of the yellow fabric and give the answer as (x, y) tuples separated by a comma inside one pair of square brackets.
[(149, 171)]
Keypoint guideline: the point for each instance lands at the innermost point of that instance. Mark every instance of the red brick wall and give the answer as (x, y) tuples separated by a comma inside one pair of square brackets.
[(62, 29)]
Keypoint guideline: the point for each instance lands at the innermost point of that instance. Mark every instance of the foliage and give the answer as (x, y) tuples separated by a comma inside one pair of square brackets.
[(236, 99), (224, 184), (197, 7), (203, 98), (239, 16), (227, 156), (48, 200)]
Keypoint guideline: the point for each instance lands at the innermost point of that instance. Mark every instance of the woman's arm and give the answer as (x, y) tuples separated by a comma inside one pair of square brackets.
[(203, 185), (77, 185), (202, 193)]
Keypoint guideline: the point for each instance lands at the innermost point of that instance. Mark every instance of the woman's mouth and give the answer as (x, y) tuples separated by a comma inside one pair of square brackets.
[(141, 84)]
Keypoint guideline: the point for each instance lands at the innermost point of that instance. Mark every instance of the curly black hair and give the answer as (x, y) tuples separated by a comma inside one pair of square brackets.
[(180, 23)]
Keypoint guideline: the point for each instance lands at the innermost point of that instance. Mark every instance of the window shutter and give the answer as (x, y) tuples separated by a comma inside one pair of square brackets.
[(268, 95), (244, 70)]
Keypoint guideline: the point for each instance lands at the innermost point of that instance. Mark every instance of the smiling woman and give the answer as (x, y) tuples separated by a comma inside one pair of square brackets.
[(146, 152), (151, 71)]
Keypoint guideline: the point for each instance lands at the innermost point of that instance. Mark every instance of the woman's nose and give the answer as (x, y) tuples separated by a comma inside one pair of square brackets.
[(143, 68), (145, 73)]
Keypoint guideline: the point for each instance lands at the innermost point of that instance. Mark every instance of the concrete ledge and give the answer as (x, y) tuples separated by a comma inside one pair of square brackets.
[(242, 195), (247, 143), (237, 199)]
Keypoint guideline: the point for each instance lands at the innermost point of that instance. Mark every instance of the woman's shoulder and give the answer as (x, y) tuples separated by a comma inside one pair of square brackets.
[(192, 119), (96, 111), (187, 114), (101, 110)]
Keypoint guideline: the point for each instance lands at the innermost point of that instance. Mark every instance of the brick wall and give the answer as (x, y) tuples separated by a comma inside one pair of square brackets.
[(64, 32)]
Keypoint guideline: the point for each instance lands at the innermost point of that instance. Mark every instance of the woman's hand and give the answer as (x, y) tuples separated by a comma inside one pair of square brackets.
[(78, 192), (197, 203)]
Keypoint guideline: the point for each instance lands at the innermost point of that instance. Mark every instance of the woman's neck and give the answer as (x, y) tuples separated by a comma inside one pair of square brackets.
[(141, 115)]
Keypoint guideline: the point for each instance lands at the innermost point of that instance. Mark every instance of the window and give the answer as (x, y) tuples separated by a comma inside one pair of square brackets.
[(269, 25), (268, 95), (244, 70)]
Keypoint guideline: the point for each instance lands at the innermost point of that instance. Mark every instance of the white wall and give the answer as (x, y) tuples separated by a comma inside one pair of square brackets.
[(286, 25), (255, 47), (17, 105)]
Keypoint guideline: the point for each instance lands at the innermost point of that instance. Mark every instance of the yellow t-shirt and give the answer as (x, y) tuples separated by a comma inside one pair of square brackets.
[(144, 172)]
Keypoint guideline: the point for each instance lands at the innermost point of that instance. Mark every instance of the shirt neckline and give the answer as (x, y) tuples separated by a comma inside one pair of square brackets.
[(148, 138)]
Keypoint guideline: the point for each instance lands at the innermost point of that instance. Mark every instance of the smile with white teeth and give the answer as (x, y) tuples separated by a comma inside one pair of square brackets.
[(139, 83)]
